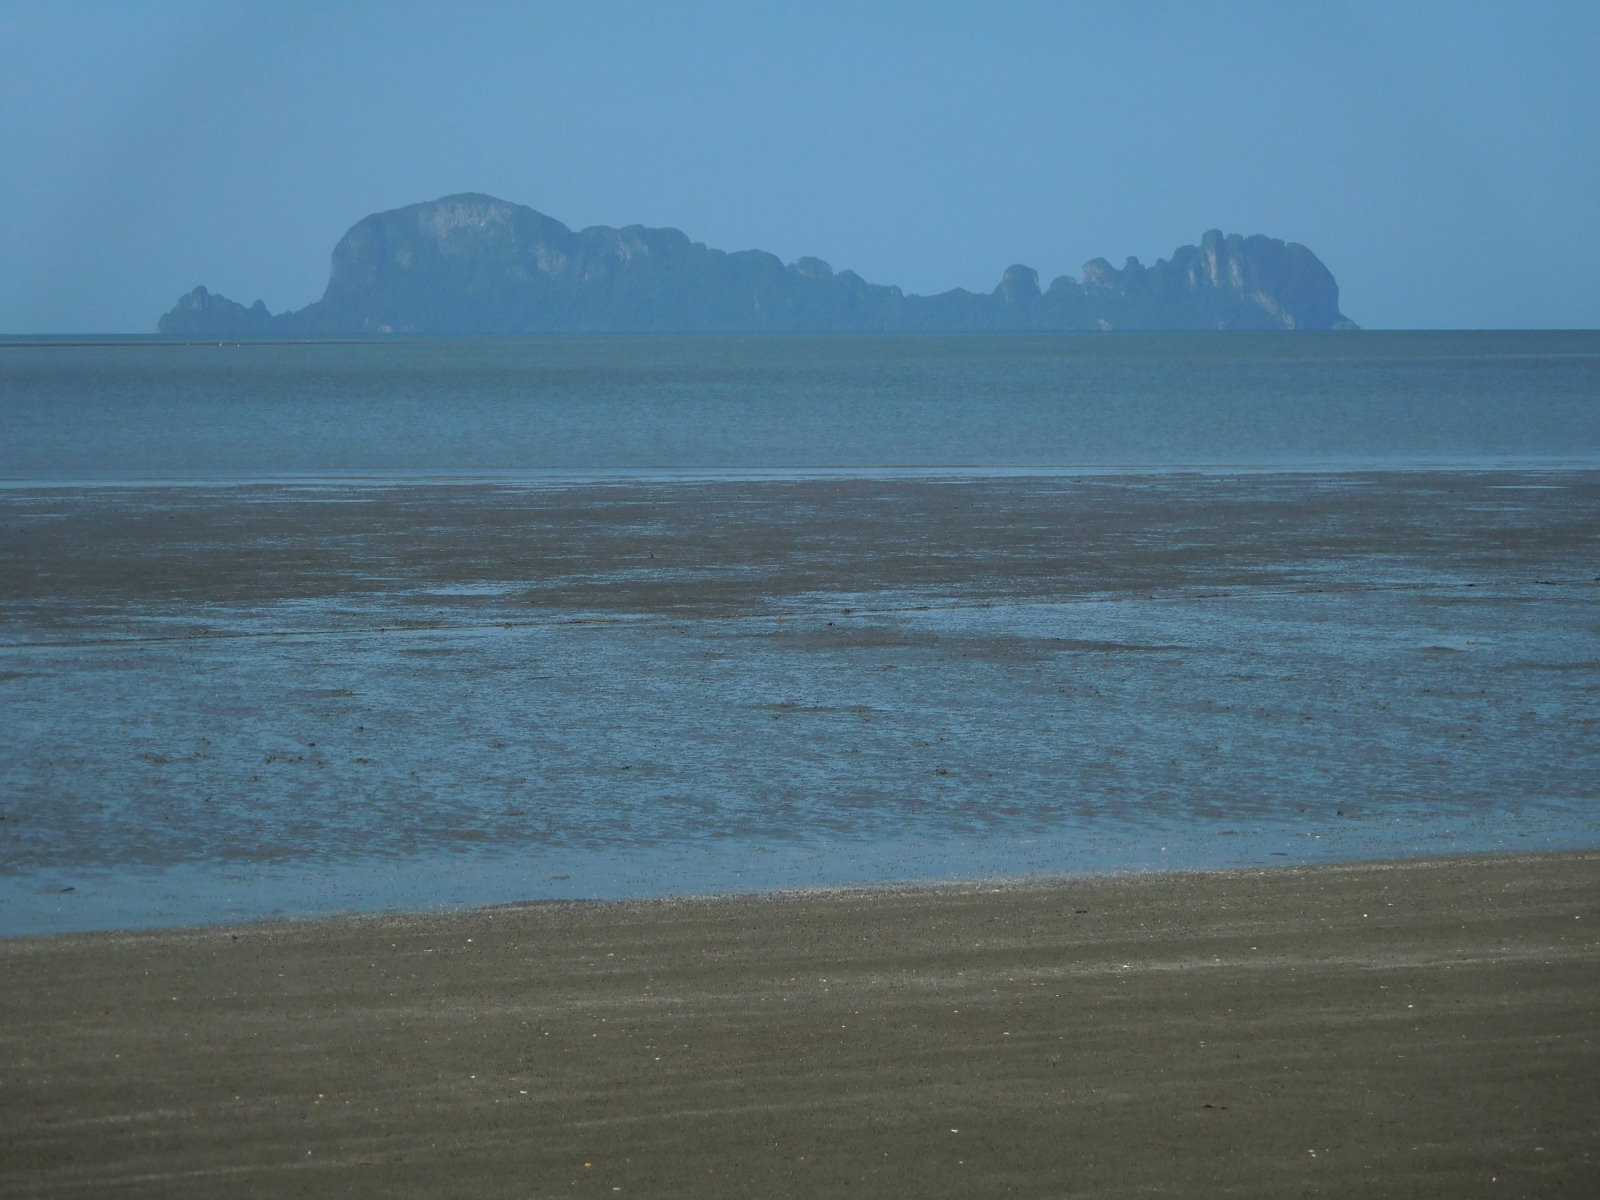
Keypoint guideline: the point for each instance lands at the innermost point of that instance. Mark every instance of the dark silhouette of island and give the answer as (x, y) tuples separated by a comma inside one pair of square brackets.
[(475, 264)]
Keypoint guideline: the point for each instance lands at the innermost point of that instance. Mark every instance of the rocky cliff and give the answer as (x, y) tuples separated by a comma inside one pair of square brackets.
[(475, 264)]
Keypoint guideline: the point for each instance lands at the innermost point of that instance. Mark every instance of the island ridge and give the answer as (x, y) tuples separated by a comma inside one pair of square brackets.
[(472, 264)]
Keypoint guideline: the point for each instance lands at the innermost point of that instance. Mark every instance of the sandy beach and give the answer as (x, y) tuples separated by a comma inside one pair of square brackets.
[(1423, 1028)]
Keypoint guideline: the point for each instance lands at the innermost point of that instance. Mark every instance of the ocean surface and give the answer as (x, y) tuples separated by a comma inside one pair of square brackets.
[(293, 629), (147, 410)]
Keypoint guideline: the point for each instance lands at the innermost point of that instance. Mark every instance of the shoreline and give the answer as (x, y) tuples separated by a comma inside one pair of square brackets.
[(559, 478), (864, 891), (1420, 1026), (195, 897)]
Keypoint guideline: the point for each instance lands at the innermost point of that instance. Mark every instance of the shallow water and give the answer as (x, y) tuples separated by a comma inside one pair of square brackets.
[(228, 702)]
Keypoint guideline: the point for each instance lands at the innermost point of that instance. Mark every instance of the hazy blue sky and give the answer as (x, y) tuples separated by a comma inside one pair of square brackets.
[(1442, 158)]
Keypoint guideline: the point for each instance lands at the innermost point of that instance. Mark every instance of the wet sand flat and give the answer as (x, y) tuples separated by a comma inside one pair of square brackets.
[(228, 702), (192, 559), (1422, 1028)]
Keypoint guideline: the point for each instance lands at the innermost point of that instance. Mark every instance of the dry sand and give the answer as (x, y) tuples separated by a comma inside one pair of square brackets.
[(1406, 1029)]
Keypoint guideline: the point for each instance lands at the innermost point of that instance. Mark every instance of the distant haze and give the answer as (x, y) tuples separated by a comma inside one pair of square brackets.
[(1440, 158)]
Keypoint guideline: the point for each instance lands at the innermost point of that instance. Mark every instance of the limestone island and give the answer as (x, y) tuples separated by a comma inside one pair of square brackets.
[(472, 264)]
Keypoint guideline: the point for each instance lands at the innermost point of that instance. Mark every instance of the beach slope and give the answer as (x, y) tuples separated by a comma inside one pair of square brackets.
[(1403, 1029)]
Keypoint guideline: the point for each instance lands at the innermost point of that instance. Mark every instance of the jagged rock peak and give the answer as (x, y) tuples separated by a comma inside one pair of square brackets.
[(812, 268), (1019, 285), (201, 312)]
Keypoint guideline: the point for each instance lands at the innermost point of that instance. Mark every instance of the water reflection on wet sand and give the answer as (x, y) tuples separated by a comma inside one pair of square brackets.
[(226, 701)]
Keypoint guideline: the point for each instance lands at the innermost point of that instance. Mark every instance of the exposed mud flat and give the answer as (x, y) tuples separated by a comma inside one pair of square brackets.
[(223, 702)]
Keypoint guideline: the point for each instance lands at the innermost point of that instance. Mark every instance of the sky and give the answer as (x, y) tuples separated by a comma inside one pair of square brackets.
[(1441, 158)]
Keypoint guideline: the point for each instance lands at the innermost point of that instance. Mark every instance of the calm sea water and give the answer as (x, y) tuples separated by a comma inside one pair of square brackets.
[(454, 622), (527, 405)]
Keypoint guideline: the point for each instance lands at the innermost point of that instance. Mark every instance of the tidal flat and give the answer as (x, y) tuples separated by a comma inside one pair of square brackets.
[(230, 702)]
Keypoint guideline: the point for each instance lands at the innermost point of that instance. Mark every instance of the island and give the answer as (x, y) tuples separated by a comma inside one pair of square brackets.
[(474, 264)]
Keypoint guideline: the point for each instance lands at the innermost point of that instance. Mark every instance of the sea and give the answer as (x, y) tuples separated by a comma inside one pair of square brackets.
[(304, 628)]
